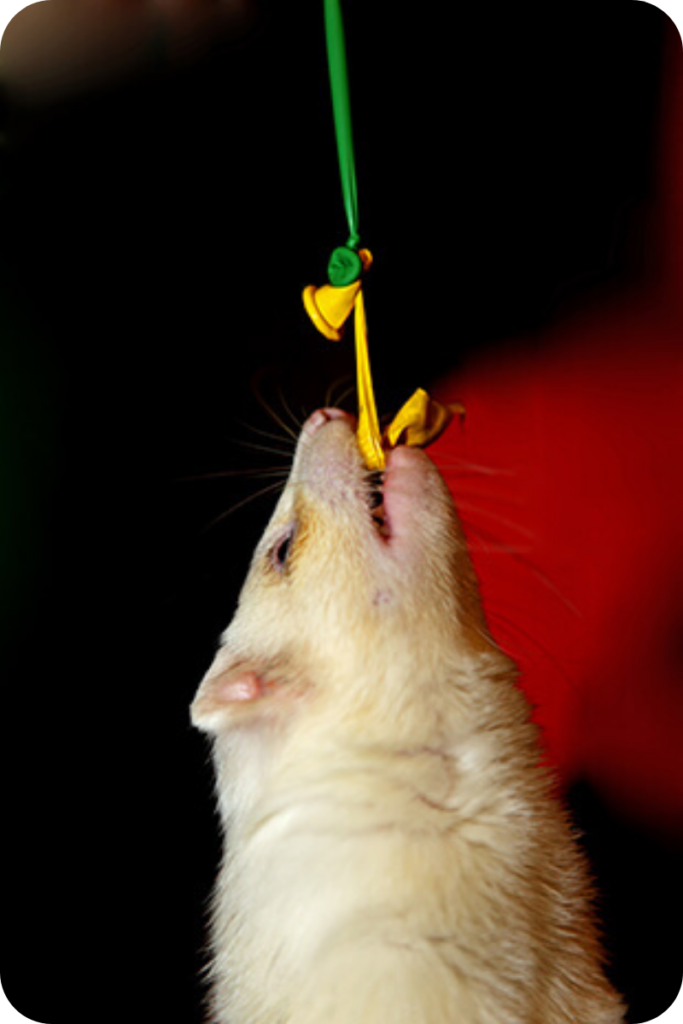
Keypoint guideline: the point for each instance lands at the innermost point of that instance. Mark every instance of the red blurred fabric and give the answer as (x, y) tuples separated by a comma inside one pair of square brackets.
[(568, 471)]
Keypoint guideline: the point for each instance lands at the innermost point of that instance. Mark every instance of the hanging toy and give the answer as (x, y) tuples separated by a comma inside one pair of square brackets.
[(421, 420), (329, 306)]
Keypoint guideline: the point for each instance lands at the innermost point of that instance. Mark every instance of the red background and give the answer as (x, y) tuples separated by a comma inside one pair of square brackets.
[(568, 471)]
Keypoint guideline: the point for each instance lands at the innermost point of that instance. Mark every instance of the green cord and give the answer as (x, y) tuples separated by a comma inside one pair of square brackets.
[(341, 108)]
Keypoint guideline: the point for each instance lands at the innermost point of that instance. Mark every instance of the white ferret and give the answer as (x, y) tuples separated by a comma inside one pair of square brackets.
[(393, 848)]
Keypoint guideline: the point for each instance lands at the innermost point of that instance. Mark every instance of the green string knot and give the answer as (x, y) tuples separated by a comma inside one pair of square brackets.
[(345, 266)]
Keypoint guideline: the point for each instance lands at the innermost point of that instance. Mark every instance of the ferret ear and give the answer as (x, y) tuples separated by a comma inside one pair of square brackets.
[(228, 685)]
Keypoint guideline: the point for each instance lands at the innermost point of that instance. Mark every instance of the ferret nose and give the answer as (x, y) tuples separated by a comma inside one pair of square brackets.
[(320, 417)]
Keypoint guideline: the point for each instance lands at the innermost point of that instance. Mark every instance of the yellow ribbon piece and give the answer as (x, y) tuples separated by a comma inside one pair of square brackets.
[(421, 420), (418, 422), (368, 433)]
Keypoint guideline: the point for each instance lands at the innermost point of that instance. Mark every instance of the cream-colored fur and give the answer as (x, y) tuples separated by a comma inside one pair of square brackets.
[(393, 850)]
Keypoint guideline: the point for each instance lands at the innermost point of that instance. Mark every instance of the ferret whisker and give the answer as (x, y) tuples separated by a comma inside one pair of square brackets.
[(465, 468), (479, 539), (276, 417), (330, 400), (262, 448), (351, 390), (489, 497), (548, 583), (479, 510), (298, 423), (479, 544), (497, 619), (281, 471), (285, 440), (278, 486)]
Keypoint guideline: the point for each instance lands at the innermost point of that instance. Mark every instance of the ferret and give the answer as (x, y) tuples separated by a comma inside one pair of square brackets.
[(394, 848)]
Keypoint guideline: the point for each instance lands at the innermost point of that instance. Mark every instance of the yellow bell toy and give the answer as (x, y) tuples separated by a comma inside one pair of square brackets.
[(330, 305)]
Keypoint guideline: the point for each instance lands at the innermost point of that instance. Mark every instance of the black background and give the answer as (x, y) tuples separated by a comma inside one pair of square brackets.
[(156, 235)]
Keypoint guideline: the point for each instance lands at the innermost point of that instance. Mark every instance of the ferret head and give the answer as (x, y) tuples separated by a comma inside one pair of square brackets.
[(357, 577)]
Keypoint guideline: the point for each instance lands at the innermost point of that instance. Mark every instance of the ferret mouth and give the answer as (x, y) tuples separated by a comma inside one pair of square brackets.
[(376, 503)]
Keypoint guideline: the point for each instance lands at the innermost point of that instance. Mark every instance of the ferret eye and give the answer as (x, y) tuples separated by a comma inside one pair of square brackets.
[(279, 553)]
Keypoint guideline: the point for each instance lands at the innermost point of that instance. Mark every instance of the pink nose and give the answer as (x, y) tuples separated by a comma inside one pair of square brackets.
[(322, 416)]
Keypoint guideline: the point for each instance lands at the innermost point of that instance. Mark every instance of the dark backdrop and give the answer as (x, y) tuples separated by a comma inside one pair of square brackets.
[(158, 227)]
